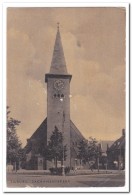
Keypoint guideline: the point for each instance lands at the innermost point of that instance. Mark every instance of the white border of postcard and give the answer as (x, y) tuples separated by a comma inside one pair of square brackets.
[(60, 3)]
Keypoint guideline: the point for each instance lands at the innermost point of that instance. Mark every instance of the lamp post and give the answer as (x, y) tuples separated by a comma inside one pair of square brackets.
[(63, 120), (15, 167), (119, 159), (106, 161), (98, 158), (98, 163), (63, 168)]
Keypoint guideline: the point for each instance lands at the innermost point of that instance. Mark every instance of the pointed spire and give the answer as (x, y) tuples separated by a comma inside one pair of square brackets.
[(58, 64)]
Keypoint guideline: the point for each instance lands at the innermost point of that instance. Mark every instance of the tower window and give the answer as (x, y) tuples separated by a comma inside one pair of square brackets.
[(62, 95), (58, 95)]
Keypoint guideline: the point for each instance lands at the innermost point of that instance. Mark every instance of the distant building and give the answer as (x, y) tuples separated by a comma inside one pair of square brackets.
[(58, 115), (116, 153)]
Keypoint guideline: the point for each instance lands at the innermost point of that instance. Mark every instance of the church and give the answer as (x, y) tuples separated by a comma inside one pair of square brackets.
[(58, 115)]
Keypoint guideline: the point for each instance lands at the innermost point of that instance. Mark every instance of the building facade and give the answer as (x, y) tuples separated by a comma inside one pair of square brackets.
[(116, 153)]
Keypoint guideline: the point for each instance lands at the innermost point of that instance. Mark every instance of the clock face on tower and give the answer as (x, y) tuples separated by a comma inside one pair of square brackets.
[(58, 84)]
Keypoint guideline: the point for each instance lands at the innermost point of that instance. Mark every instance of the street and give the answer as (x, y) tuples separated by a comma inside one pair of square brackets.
[(92, 180)]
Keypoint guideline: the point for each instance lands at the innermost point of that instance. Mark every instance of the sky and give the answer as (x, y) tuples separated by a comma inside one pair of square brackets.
[(93, 41)]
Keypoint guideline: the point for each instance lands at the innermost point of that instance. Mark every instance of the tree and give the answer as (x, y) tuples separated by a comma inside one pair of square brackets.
[(55, 149), (83, 152), (94, 152), (14, 149), (88, 151), (92, 148)]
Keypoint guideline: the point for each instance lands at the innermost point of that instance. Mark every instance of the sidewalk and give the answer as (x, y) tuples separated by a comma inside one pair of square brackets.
[(95, 171), (77, 172)]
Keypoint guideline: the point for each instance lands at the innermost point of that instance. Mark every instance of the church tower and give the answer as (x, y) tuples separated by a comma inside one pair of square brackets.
[(58, 115), (58, 96)]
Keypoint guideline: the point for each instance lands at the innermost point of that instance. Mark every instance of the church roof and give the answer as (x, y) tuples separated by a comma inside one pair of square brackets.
[(40, 135), (58, 64), (76, 137), (41, 131), (75, 133)]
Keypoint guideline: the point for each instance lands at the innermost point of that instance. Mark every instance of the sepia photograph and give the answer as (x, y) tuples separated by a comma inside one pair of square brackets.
[(66, 98)]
